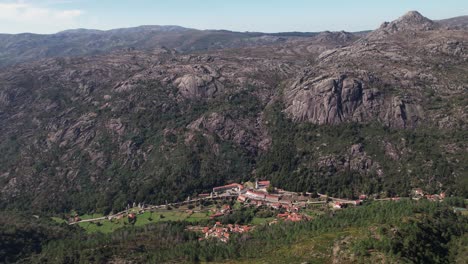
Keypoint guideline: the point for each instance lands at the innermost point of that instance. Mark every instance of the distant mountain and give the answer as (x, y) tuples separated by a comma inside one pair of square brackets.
[(81, 31), (460, 22), (79, 42)]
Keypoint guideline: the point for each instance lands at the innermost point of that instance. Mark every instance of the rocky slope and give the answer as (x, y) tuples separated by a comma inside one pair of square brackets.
[(386, 76), (334, 112)]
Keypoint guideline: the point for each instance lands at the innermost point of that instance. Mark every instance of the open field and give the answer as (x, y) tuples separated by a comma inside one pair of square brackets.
[(108, 226)]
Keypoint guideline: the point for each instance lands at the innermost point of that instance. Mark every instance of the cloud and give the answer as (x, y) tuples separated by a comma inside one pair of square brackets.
[(27, 13)]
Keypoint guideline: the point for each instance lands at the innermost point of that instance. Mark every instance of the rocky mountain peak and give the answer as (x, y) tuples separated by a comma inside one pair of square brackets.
[(414, 16), (414, 20), (411, 21)]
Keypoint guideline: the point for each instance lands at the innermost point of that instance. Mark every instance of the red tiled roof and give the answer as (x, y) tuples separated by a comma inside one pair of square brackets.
[(257, 194), (241, 198), (271, 196)]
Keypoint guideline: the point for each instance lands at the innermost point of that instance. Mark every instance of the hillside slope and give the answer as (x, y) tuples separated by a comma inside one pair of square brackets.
[(331, 113)]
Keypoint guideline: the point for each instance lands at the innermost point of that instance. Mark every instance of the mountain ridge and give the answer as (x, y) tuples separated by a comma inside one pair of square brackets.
[(460, 22), (24, 47)]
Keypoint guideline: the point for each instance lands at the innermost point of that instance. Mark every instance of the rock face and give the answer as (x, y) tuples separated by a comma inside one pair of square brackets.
[(345, 98), (325, 100), (191, 86)]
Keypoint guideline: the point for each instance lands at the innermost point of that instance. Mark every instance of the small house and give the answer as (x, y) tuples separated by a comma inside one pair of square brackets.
[(337, 205)]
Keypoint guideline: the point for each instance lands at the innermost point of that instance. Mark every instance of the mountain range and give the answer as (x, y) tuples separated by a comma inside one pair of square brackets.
[(91, 120), (80, 42), (23, 47)]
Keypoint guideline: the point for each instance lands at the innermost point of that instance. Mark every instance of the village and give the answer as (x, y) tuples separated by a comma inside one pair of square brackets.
[(214, 213)]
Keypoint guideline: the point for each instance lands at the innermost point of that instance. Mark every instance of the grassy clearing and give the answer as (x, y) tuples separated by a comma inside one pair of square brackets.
[(106, 226), (193, 215), (90, 216)]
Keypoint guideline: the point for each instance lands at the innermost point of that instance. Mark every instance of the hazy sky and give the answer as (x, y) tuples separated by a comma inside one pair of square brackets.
[(50, 16)]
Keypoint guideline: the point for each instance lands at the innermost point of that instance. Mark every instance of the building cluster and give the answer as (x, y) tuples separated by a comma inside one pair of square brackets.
[(435, 197), (338, 205), (293, 217), (223, 233), (418, 193), (257, 194), (225, 210)]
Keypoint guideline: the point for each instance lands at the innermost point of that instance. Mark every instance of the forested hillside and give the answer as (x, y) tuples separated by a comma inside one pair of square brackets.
[(391, 232)]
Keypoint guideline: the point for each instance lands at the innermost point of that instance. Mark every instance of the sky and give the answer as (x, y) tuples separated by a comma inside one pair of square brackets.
[(51, 16)]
